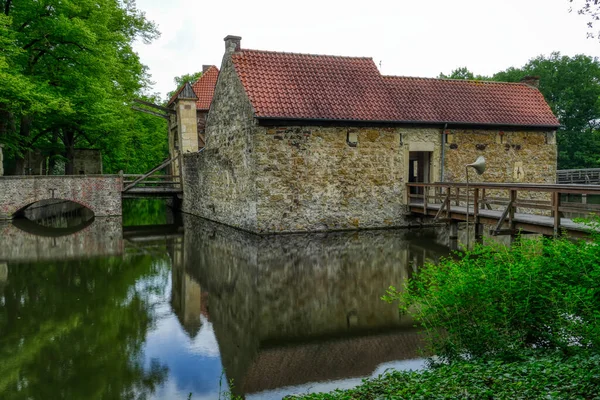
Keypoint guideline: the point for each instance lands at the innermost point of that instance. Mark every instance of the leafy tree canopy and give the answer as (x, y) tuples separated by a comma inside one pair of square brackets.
[(183, 79), (71, 75), (591, 9), (571, 85), (462, 73)]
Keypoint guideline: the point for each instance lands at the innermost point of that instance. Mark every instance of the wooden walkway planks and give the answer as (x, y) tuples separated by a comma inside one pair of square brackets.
[(510, 207), (526, 222)]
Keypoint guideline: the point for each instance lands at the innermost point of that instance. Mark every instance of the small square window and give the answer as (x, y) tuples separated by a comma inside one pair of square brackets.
[(352, 139)]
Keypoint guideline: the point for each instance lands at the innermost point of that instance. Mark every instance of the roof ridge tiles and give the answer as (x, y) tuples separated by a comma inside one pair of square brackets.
[(302, 54), (455, 80)]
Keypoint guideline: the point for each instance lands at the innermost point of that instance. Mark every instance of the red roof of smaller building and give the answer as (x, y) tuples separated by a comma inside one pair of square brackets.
[(204, 87), (306, 86)]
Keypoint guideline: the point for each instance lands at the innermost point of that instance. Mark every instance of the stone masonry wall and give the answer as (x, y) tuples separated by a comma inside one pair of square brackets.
[(219, 181), (101, 194), (519, 157), (511, 157), (87, 162), (313, 179)]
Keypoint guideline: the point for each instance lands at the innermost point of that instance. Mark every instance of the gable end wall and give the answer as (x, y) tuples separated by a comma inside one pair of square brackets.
[(219, 182)]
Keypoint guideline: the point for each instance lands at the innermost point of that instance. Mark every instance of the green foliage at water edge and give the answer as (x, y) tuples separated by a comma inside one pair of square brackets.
[(499, 302), (546, 377)]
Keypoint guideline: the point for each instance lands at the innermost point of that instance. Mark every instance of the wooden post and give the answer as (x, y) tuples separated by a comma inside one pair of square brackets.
[(556, 212), (453, 236), (449, 189), (511, 212), (425, 199), (478, 227), (457, 196), (453, 230)]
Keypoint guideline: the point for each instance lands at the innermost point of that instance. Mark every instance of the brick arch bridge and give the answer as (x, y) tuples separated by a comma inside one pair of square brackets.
[(101, 193)]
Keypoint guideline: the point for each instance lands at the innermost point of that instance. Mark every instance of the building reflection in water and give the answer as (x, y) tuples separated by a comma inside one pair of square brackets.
[(279, 314), (292, 310), (187, 298), (23, 241)]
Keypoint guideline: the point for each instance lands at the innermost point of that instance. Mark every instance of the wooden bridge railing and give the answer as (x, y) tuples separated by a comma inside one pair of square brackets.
[(553, 201), (589, 176), (151, 179)]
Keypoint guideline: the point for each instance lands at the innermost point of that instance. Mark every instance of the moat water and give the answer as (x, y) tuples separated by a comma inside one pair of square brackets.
[(162, 306)]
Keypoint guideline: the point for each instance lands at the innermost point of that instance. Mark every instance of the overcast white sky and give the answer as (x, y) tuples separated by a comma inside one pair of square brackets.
[(411, 38)]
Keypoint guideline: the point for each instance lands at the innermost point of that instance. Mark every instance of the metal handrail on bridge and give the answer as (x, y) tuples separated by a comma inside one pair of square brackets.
[(445, 199)]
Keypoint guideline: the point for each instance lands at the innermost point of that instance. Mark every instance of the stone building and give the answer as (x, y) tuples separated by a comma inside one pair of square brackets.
[(183, 136), (300, 142), (85, 162)]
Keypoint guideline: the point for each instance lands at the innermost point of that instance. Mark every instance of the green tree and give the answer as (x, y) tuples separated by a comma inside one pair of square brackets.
[(78, 54), (462, 73), (589, 8), (571, 85), (183, 79)]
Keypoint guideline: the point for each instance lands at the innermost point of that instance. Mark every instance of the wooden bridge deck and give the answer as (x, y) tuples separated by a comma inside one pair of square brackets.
[(509, 208), (154, 192), (522, 222)]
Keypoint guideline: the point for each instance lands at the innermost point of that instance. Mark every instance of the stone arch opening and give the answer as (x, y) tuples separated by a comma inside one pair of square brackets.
[(33, 228), (56, 213)]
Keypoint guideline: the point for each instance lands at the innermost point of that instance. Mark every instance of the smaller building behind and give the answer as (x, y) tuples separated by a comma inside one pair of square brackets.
[(85, 162)]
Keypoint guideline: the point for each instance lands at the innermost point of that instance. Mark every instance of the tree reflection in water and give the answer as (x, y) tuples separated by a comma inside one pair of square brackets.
[(75, 330), (157, 311)]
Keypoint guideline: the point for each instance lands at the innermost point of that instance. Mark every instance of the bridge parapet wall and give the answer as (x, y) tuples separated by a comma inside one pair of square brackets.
[(101, 193)]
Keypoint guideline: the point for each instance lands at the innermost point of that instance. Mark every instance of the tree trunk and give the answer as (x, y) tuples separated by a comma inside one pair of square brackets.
[(7, 121), (54, 141), (24, 133), (69, 136)]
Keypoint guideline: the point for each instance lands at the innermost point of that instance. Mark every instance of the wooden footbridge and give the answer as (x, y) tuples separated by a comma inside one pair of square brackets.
[(509, 208), (589, 176), (152, 184)]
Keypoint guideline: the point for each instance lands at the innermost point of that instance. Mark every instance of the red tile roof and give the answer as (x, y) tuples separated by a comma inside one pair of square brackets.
[(305, 86), (204, 87), (469, 102)]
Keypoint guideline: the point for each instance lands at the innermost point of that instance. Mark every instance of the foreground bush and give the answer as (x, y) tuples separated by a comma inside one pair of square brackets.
[(547, 377), (499, 302)]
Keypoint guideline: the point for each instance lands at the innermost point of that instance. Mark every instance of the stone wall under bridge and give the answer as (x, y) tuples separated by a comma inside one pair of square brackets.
[(100, 193)]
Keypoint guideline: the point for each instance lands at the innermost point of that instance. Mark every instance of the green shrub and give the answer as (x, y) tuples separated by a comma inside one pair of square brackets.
[(546, 377), (499, 302)]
